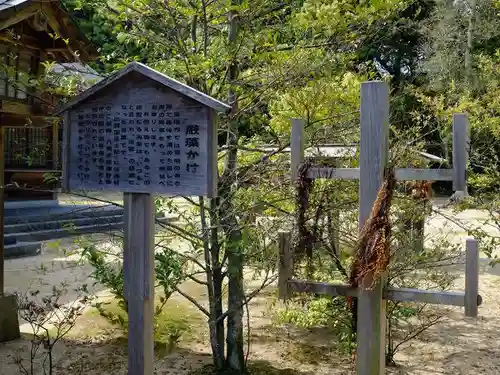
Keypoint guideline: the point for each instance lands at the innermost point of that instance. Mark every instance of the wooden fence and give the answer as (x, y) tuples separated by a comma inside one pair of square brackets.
[(374, 123)]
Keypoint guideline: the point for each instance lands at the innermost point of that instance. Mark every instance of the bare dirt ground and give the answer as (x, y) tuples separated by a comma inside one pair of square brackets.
[(457, 345)]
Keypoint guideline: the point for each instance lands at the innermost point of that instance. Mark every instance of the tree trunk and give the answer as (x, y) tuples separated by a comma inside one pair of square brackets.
[(217, 283), (235, 356), (211, 255)]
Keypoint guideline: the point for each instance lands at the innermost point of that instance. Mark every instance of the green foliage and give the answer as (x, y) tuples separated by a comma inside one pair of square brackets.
[(171, 324), (309, 312), (170, 272)]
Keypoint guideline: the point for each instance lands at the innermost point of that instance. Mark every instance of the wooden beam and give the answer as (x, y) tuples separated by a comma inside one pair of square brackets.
[(471, 277), (334, 173), (401, 174), (374, 150), (55, 151), (55, 145), (56, 50), (15, 107), (138, 266), (20, 42), (285, 263), (394, 294), (2, 211), (300, 286), (411, 174), (19, 16), (429, 296), (62, 29), (460, 151), (66, 152)]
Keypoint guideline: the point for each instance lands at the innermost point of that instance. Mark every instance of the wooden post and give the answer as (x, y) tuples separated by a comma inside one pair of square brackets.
[(285, 264), (373, 159), (55, 152), (297, 147), (460, 152), (138, 265), (2, 210), (335, 222), (335, 217), (471, 278)]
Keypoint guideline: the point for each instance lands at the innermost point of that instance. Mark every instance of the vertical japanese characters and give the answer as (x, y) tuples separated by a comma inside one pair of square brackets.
[(139, 146)]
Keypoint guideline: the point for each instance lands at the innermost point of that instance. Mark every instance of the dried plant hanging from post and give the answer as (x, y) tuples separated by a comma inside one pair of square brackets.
[(305, 238), (373, 253)]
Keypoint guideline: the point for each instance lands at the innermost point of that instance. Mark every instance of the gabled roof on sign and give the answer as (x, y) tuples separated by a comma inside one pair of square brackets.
[(154, 75)]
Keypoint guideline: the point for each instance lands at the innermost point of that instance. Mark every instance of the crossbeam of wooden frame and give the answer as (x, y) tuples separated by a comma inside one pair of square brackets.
[(401, 174), (458, 174), (432, 297), (470, 299)]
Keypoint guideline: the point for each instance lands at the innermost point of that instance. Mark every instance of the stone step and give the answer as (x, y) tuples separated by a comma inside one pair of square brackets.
[(27, 224), (33, 215), (22, 249), (57, 224), (47, 235)]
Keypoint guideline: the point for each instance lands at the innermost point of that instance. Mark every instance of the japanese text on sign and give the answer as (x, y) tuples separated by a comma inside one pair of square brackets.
[(152, 147)]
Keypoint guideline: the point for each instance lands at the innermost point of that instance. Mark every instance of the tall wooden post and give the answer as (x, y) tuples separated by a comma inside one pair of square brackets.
[(471, 278), (285, 263), (460, 152), (55, 152), (138, 265), (373, 159)]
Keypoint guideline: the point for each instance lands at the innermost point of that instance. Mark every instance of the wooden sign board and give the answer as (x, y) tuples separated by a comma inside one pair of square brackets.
[(141, 132)]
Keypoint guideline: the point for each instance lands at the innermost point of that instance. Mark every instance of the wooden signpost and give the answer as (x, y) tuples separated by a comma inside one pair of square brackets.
[(141, 133), (370, 358)]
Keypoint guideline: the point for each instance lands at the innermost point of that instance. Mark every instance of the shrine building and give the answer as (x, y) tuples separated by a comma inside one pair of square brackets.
[(33, 32)]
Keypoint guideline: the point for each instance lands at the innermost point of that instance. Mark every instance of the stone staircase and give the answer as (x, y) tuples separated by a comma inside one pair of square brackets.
[(28, 224)]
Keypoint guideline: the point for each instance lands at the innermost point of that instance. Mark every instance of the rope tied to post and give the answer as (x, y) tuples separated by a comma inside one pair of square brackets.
[(372, 254)]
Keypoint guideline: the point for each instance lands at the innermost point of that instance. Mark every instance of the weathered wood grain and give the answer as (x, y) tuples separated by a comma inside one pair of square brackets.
[(138, 266), (394, 294), (460, 151), (156, 77), (2, 210), (333, 173), (300, 286), (401, 174), (471, 278), (285, 263), (374, 119), (140, 138), (66, 153), (425, 296)]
